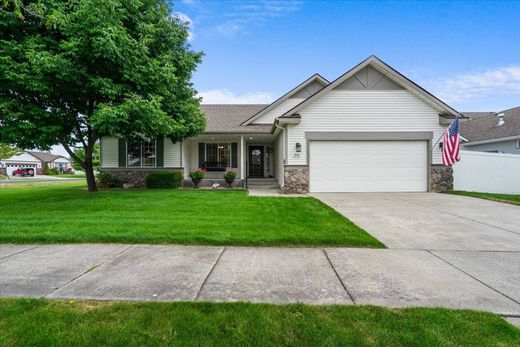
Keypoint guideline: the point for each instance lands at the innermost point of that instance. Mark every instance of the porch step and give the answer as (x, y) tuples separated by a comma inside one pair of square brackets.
[(262, 183)]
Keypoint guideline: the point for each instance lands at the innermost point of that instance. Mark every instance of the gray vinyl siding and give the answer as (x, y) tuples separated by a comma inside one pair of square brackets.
[(109, 152), (285, 106), (363, 111), (498, 147), (172, 154)]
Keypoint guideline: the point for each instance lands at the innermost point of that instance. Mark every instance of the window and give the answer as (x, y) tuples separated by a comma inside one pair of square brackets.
[(219, 153), (141, 153), (518, 144)]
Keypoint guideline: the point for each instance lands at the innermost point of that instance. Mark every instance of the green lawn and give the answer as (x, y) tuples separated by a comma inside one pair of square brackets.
[(61, 212), (507, 198), (25, 322), (72, 175)]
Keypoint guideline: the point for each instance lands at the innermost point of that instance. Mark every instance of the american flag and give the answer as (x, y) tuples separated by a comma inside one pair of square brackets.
[(451, 144)]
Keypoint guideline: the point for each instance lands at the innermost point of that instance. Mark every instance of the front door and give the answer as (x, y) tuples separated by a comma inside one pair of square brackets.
[(256, 161)]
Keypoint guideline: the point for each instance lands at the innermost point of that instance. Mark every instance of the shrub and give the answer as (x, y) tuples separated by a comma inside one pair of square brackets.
[(45, 169), (53, 172), (163, 180), (106, 180), (197, 174)]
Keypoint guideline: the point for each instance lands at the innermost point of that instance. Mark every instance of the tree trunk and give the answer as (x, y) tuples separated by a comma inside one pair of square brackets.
[(86, 164), (89, 173)]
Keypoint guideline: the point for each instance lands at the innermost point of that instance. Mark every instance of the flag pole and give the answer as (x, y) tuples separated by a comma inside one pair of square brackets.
[(436, 142)]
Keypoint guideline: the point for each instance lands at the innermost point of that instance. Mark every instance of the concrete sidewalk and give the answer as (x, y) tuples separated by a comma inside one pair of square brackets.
[(388, 277)]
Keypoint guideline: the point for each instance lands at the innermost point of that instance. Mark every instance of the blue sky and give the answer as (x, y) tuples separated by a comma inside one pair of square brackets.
[(466, 53)]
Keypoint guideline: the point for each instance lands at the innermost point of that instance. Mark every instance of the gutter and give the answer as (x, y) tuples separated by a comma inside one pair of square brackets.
[(498, 139)]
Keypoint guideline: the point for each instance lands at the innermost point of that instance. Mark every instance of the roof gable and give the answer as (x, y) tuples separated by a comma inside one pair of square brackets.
[(368, 78), (44, 156), (304, 90), (367, 75)]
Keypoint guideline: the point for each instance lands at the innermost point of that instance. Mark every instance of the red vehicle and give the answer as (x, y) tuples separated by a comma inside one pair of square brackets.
[(23, 171)]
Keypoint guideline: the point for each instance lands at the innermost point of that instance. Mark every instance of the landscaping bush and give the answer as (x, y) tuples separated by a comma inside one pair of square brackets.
[(106, 180), (168, 180), (45, 169), (53, 172)]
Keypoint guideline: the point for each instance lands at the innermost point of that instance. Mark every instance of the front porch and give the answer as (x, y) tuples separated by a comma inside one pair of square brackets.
[(249, 155)]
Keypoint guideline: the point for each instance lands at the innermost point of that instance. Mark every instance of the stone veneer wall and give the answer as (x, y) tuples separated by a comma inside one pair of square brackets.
[(296, 180), (208, 182), (136, 176), (441, 178)]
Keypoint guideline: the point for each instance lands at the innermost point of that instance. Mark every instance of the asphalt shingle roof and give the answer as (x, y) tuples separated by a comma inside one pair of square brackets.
[(483, 125), (226, 118), (45, 156)]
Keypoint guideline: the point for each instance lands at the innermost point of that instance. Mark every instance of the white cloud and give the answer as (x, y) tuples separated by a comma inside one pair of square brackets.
[(502, 80), (230, 29), (225, 96), (254, 12), (186, 19)]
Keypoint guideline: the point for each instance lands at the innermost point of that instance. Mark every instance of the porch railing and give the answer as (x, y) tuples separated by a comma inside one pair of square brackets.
[(214, 166)]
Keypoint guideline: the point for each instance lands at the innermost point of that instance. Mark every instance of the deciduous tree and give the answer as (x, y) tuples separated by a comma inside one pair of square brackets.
[(73, 71)]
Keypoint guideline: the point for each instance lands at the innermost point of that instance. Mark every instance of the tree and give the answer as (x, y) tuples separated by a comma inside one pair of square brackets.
[(80, 153), (73, 71), (7, 151)]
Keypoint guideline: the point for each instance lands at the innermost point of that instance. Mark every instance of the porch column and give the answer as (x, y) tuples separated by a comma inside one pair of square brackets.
[(242, 158)]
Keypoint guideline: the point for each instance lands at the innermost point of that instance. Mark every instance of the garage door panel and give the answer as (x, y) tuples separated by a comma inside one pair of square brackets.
[(368, 166)]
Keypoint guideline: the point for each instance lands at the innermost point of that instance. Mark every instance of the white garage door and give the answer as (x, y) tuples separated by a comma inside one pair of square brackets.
[(368, 166)]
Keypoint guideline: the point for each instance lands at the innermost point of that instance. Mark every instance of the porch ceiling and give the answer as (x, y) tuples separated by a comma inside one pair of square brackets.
[(248, 138)]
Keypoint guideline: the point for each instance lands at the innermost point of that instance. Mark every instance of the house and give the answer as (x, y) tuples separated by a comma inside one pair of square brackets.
[(369, 130), (496, 132), (36, 160)]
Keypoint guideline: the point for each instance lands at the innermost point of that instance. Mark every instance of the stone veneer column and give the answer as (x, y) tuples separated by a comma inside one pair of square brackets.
[(441, 178), (296, 180)]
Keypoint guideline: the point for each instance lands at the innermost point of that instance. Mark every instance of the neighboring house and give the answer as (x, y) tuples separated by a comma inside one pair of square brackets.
[(370, 130), (36, 160), (22, 160), (496, 132)]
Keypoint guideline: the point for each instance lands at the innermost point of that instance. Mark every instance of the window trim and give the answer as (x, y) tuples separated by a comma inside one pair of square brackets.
[(230, 164), (141, 156)]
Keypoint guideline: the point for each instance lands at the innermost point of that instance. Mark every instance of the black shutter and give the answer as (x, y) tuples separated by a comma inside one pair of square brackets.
[(234, 155), (122, 152), (202, 154), (159, 152)]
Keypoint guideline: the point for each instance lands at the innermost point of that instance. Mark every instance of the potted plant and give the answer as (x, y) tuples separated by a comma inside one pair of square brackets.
[(196, 176), (230, 176)]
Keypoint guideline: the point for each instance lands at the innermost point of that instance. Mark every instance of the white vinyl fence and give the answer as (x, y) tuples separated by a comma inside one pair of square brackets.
[(487, 172)]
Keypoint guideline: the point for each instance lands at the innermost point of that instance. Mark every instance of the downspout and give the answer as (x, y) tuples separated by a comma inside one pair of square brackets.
[(285, 149)]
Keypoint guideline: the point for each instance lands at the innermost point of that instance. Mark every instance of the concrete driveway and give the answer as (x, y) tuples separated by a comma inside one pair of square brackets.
[(431, 221)]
